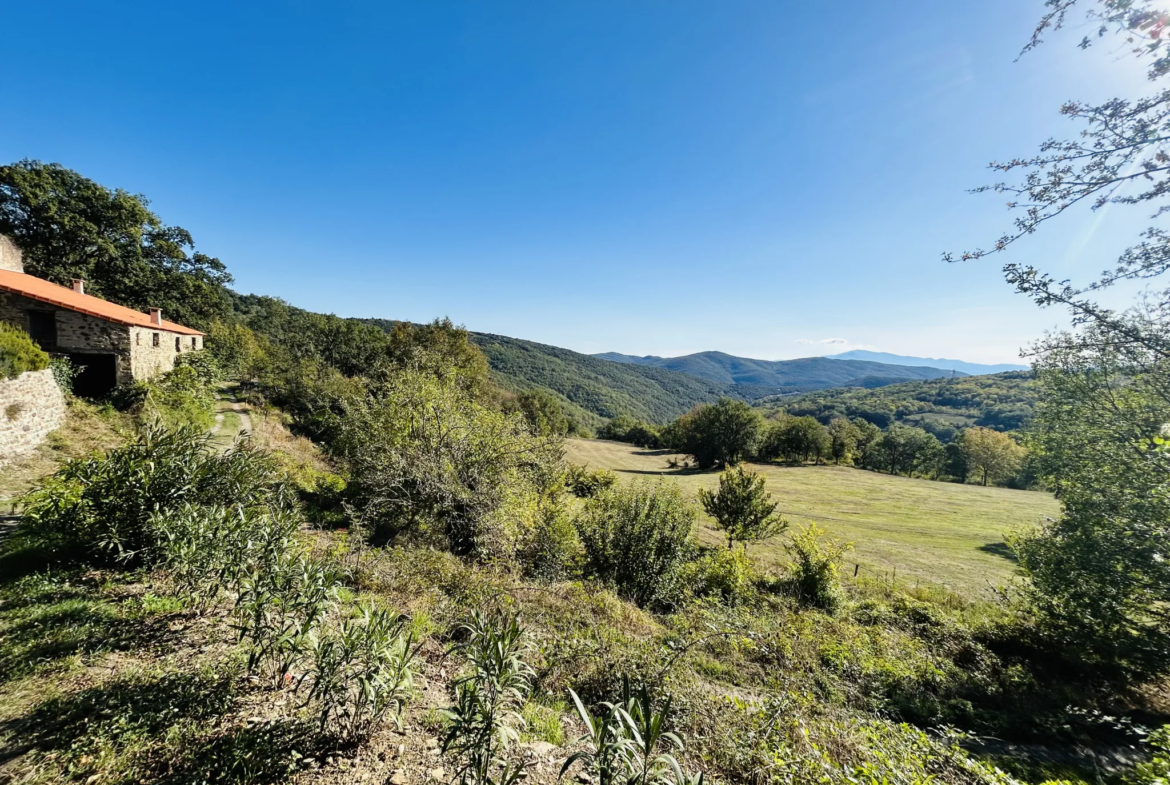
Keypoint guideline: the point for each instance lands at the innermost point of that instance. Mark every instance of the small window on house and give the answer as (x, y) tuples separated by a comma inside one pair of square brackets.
[(42, 328), (194, 342), (138, 338), (157, 342), (178, 348)]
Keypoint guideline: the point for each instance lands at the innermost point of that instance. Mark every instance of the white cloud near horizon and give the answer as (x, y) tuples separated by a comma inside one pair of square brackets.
[(841, 344)]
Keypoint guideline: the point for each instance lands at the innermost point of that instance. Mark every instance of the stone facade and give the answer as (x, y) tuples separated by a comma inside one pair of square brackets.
[(139, 352), (31, 406)]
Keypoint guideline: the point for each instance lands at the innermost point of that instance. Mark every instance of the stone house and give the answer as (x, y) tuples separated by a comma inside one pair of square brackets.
[(110, 343)]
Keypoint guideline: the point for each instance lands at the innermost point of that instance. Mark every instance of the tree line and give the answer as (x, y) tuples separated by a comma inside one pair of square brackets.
[(729, 431)]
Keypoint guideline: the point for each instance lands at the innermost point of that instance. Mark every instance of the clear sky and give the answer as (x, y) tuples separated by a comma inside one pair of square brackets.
[(769, 179)]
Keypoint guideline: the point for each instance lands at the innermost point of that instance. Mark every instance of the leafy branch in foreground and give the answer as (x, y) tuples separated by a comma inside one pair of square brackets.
[(486, 718)]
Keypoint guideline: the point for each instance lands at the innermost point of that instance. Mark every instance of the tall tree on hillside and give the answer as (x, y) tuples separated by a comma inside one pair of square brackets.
[(1100, 577), (990, 454), (70, 227), (742, 507)]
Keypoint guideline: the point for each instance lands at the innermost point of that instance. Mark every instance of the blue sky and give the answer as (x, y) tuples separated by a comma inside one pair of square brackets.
[(650, 177)]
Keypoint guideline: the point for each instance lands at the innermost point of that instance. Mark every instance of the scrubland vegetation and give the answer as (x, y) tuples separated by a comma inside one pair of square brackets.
[(402, 579)]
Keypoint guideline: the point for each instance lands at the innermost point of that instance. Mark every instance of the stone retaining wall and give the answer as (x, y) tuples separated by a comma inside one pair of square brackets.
[(31, 406)]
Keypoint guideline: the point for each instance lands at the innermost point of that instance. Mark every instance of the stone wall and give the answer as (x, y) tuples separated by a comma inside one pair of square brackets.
[(31, 406), (148, 360)]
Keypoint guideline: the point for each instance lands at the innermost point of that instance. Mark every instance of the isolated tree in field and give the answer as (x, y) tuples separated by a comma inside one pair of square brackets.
[(991, 455), (1099, 575), (70, 227), (720, 433), (843, 437), (742, 507)]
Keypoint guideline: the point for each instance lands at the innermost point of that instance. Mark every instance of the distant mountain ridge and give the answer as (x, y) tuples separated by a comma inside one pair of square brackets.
[(974, 369), (808, 373)]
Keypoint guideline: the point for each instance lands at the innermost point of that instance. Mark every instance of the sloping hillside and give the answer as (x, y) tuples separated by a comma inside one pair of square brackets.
[(604, 388), (1002, 401), (809, 373)]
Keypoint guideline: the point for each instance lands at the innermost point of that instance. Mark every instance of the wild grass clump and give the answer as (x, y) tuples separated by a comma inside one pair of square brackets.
[(637, 539), (102, 506)]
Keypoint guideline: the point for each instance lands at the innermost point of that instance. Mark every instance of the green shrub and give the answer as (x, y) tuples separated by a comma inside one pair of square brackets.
[(64, 372), (279, 606), (19, 353), (180, 397), (554, 549), (637, 538), (103, 505), (361, 671), (587, 484), (628, 742), (486, 719), (208, 549), (1156, 771), (814, 568), (726, 575), (427, 456)]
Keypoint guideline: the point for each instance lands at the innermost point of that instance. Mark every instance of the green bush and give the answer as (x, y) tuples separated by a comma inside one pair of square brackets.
[(637, 538), (723, 574), (587, 484), (814, 568), (183, 396), (628, 742), (485, 722), (103, 505), (209, 549), (1156, 771), (554, 550), (426, 456), (64, 372), (19, 353), (280, 604), (361, 672)]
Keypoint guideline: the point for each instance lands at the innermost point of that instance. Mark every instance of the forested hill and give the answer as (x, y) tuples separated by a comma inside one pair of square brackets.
[(603, 388), (1001, 401), (809, 373)]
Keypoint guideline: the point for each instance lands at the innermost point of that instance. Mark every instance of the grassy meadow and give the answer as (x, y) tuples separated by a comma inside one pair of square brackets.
[(922, 531)]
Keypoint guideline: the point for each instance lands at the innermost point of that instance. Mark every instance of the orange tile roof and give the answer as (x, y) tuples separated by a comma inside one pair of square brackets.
[(64, 297)]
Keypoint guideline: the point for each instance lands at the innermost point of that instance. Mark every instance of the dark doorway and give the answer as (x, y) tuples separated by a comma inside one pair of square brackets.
[(97, 374)]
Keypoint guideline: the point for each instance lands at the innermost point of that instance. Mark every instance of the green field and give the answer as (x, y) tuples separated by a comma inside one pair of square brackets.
[(925, 531)]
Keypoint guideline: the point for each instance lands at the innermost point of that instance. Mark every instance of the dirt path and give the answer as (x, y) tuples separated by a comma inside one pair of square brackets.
[(231, 418)]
